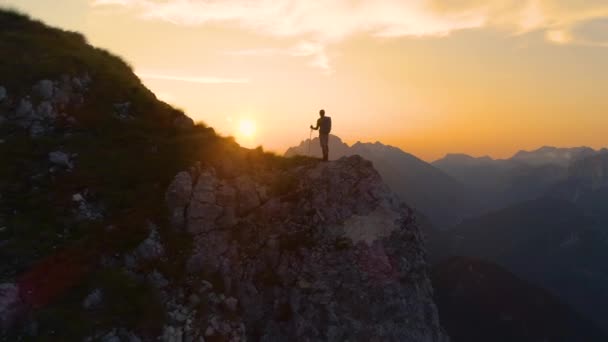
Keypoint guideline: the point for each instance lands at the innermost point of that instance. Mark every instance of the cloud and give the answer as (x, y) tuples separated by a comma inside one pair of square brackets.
[(318, 24), (315, 51), (200, 80)]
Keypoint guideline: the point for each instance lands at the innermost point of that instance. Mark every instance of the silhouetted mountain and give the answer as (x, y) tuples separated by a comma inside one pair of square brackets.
[(587, 186), (592, 170), (525, 176), (552, 155), (480, 301), (549, 242), (441, 198), (482, 173)]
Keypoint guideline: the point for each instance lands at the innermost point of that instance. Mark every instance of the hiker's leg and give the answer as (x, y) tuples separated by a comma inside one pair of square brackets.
[(324, 138)]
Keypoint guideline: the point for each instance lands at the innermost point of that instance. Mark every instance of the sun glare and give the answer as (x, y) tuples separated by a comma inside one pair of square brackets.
[(247, 128)]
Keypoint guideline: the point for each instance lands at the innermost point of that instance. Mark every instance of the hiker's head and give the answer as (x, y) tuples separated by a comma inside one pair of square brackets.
[(322, 113)]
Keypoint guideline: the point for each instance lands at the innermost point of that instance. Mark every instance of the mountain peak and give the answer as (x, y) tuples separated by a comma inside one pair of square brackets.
[(332, 238)]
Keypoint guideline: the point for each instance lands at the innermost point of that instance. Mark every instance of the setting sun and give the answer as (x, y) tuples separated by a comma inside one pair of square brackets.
[(245, 132), (247, 128)]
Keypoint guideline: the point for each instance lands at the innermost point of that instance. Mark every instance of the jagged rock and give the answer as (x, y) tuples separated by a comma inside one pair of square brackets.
[(337, 257), (205, 286), (85, 210), (24, 113), (3, 94), (248, 198), (45, 110), (172, 334), (77, 197), (37, 129), (183, 122), (157, 280), (151, 247), (44, 89), (178, 196), (231, 303), (61, 159), (93, 300), (10, 304)]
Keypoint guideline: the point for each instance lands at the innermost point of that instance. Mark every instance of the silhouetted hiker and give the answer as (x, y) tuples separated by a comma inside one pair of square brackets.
[(324, 127)]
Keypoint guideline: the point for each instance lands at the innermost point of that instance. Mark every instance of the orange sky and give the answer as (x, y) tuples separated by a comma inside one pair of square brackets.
[(428, 76)]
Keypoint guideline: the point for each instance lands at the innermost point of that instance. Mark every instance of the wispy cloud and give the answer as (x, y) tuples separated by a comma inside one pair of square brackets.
[(200, 80), (313, 50), (317, 24)]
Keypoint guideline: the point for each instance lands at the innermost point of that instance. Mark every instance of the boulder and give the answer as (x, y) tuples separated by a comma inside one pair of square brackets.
[(44, 89), (61, 159), (93, 300), (151, 247), (45, 110), (25, 108), (37, 129)]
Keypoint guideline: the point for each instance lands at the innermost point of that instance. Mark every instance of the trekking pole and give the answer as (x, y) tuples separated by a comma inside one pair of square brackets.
[(309, 139)]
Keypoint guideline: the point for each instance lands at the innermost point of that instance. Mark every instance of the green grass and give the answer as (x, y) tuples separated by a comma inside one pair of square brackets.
[(125, 166)]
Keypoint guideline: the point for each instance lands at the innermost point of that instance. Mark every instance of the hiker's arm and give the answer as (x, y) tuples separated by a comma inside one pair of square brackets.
[(315, 128)]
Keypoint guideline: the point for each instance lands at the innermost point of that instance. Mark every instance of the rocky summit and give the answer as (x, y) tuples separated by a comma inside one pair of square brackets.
[(335, 256)]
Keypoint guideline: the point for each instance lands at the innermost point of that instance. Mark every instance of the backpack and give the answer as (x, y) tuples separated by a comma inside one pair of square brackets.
[(325, 125)]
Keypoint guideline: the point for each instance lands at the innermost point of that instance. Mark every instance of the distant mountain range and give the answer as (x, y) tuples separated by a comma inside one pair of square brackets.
[(480, 301), (459, 186), (439, 196), (525, 176)]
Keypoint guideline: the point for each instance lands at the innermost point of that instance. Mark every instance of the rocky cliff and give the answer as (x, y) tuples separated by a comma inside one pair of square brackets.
[(332, 256)]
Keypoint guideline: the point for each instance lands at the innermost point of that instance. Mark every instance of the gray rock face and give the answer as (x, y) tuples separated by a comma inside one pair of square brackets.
[(3, 93), (334, 256)]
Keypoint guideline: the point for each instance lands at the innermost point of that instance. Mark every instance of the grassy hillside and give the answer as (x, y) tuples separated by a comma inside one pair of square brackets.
[(121, 167)]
